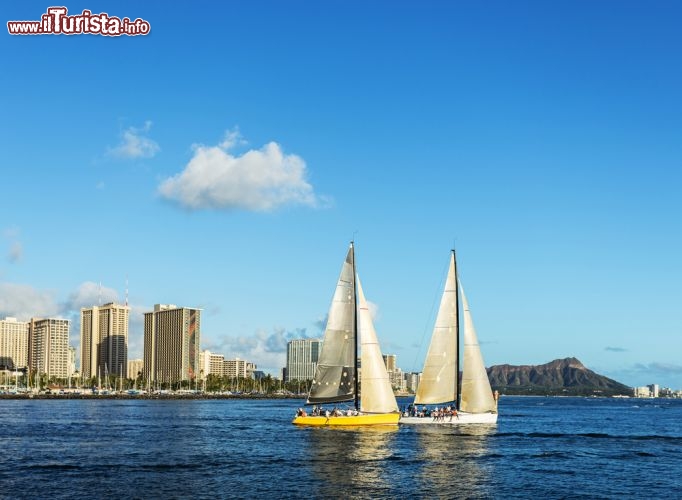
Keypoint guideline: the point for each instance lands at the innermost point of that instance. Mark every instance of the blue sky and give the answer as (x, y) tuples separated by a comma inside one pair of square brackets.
[(225, 160)]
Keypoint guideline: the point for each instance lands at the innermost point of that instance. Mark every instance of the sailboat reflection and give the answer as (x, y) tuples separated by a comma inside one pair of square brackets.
[(352, 459), (453, 463)]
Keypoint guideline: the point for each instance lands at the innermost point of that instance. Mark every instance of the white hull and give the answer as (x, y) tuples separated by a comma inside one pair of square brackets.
[(460, 419)]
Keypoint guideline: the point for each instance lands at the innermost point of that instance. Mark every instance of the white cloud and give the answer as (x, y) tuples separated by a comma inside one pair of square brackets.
[(25, 302), (373, 310), (135, 144), (16, 252), (11, 233), (266, 350), (16, 249), (232, 138), (638, 374), (89, 294), (259, 180)]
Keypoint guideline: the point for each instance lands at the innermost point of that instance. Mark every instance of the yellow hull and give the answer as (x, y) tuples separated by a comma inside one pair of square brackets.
[(346, 421)]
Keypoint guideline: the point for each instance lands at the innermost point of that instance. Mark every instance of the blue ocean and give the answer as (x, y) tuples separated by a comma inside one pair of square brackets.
[(540, 448)]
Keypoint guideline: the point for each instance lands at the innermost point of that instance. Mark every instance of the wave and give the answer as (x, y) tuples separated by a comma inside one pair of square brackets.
[(589, 435), (54, 467)]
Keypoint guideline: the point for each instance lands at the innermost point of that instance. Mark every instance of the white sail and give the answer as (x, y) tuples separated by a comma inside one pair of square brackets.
[(477, 395), (439, 377), (377, 395), (335, 373)]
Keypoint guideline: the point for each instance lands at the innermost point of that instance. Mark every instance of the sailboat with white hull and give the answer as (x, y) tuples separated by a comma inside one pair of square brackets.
[(336, 376), (475, 403)]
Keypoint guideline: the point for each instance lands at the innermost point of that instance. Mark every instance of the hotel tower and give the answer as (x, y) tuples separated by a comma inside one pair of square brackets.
[(302, 357), (171, 343), (49, 347), (13, 344), (104, 340)]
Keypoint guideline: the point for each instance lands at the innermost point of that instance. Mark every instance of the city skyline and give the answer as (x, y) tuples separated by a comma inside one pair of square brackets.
[(229, 167)]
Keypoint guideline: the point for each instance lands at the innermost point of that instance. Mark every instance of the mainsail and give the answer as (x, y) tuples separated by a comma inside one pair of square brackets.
[(439, 378), (377, 394), (335, 374), (477, 395)]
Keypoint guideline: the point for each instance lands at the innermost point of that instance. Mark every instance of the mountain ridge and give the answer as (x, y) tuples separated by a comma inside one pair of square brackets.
[(567, 376)]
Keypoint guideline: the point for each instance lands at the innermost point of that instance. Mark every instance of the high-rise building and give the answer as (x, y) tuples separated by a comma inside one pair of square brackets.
[(237, 368), (135, 366), (412, 381), (211, 364), (398, 379), (49, 347), (104, 340), (390, 362), (395, 374), (171, 343), (13, 344), (302, 356)]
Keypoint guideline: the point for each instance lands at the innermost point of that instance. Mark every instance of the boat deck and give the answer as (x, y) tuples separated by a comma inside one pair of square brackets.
[(346, 421)]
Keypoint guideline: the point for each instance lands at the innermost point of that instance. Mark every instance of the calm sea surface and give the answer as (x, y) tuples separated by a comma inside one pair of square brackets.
[(540, 448)]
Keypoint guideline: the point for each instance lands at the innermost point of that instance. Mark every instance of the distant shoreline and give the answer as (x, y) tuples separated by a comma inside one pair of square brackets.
[(148, 396)]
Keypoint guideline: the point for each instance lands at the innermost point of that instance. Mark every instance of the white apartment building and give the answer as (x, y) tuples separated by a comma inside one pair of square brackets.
[(13, 344), (211, 364), (49, 347), (236, 368)]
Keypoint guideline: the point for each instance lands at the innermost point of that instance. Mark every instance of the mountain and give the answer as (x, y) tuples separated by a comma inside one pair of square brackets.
[(559, 377)]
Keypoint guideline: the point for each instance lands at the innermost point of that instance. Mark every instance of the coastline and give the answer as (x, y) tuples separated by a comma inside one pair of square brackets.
[(28, 396)]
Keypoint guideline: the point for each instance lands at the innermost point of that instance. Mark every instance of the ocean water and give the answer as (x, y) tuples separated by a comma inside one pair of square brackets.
[(540, 448)]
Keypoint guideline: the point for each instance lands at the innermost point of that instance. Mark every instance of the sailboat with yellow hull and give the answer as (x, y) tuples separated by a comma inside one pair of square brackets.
[(336, 376), (475, 402)]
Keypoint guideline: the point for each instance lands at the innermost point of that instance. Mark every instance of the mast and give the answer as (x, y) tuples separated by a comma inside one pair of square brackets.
[(457, 393), (355, 329)]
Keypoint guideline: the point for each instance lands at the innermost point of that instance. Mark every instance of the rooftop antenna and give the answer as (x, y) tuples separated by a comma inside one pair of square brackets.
[(100, 293), (126, 290)]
